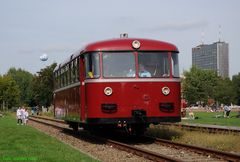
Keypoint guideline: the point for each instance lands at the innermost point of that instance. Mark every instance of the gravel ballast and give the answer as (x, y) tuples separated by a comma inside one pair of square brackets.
[(98, 151)]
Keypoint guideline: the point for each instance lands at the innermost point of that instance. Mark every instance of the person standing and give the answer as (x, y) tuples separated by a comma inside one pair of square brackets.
[(26, 117), (22, 111), (191, 114), (37, 110), (19, 119), (225, 110)]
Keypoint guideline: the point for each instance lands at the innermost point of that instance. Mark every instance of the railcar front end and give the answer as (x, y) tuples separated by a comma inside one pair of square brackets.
[(125, 83)]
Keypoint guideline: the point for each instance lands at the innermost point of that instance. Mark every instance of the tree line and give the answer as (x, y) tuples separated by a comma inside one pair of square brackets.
[(201, 86), (19, 87)]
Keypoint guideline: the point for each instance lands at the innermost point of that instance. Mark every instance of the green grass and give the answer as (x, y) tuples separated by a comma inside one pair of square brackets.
[(24, 143), (210, 118)]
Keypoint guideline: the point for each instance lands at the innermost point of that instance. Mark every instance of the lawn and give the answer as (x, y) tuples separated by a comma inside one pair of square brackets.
[(23, 143), (215, 118)]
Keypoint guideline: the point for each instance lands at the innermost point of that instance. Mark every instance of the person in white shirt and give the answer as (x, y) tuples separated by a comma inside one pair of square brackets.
[(143, 72), (19, 119), (26, 117), (22, 111), (227, 110)]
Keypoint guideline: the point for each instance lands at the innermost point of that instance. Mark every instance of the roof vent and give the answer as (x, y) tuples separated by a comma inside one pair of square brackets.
[(124, 35)]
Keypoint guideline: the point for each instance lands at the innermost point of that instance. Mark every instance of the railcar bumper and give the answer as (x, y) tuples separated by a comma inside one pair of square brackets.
[(146, 120)]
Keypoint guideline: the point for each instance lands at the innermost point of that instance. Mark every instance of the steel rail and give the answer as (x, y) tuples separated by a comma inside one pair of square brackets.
[(179, 125), (121, 146), (152, 155), (142, 152), (201, 150), (45, 123), (47, 118), (208, 128)]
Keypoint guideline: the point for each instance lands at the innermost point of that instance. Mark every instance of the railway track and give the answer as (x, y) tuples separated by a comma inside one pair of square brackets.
[(196, 127), (191, 150), (158, 150), (206, 128)]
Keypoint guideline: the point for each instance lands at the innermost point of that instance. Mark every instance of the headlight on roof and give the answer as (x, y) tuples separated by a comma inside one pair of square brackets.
[(136, 44)]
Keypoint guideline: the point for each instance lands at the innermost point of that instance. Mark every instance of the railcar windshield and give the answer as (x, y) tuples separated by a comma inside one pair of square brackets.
[(150, 64), (118, 64), (92, 65), (157, 64), (175, 65)]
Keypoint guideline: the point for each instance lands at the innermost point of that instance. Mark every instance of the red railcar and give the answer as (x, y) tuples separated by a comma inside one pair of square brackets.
[(128, 83)]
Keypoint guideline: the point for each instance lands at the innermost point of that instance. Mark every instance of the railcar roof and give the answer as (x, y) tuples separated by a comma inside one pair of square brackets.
[(125, 44), (122, 44)]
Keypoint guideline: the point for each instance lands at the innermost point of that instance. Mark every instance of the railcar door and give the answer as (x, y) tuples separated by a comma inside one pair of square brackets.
[(82, 90), (90, 77)]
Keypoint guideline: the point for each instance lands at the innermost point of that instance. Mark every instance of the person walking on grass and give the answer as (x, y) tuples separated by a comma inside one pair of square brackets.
[(227, 110)]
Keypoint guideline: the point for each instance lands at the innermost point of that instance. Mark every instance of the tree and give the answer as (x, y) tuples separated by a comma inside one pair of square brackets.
[(236, 85), (42, 86), (9, 92), (198, 85), (224, 91), (23, 79)]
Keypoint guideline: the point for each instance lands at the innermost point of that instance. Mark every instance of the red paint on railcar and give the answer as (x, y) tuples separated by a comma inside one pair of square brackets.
[(136, 101), (126, 45), (130, 96)]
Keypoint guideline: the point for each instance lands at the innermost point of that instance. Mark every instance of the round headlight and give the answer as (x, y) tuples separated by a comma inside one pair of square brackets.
[(108, 91), (165, 90), (136, 44)]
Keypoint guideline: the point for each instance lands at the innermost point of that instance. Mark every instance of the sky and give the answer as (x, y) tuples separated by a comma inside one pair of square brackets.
[(30, 28)]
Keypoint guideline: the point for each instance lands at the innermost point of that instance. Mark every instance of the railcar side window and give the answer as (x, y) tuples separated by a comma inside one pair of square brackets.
[(153, 64), (175, 65), (72, 72), (62, 77), (59, 78), (67, 74), (55, 80), (77, 69), (92, 68), (118, 64)]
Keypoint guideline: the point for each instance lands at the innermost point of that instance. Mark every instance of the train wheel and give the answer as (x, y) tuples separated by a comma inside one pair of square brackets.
[(74, 126), (138, 129)]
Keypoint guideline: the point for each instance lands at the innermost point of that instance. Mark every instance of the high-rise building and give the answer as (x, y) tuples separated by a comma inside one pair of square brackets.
[(212, 56)]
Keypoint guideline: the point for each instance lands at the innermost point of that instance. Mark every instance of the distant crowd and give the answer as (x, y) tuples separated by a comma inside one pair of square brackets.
[(22, 116), (226, 109)]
